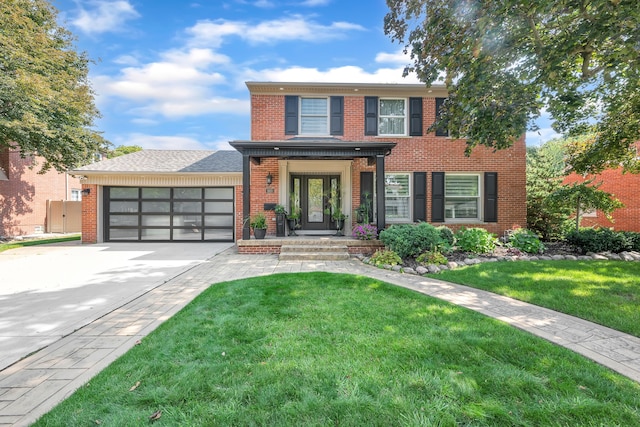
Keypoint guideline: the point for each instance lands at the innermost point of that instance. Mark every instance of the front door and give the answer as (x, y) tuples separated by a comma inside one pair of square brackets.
[(313, 193)]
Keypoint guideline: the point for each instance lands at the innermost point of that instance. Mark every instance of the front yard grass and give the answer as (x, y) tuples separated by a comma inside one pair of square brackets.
[(604, 292), (317, 349), (20, 244)]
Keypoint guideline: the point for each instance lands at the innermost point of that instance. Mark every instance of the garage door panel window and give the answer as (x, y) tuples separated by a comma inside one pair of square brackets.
[(165, 214)]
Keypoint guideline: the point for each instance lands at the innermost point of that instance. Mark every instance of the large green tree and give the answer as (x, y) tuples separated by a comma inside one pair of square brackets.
[(503, 61), (46, 102)]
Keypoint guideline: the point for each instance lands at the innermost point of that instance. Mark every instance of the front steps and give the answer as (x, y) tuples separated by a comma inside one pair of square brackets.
[(314, 250)]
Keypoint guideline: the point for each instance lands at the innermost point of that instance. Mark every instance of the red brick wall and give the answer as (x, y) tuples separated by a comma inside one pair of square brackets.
[(424, 154), (626, 188), (23, 198), (90, 214)]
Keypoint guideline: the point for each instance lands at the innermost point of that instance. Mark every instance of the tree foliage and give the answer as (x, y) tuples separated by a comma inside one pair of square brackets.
[(503, 61), (46, 102), (121, 150)]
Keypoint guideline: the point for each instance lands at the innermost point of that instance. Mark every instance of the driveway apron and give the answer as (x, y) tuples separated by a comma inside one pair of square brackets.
[(50, 291)]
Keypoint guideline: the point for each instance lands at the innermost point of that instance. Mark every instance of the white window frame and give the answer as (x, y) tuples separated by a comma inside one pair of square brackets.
[(326, 115), (478, 197), (76, 195), (408, 197), (380, 117)]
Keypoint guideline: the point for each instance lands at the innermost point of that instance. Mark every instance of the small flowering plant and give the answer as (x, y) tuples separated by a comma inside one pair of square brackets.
[(365, 232)]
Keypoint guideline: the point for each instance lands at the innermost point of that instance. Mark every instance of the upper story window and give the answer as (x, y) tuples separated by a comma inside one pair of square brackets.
[(314, 116), (392, 117), (317, 116)]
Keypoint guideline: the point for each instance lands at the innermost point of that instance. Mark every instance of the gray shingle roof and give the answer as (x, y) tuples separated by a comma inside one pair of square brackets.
[(170, 161)]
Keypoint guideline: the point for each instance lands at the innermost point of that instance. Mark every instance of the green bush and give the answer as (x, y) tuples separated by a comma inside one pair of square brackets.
[(447, 237), (633, 240), (527, 241), (385, 257), (409, 240), (476, 240), (598, 240), (427, 258)]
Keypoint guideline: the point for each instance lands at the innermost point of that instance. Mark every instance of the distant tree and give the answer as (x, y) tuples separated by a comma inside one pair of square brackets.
[(502, 61), (585, 197), (121, 150), (46, 102), (545, 173)]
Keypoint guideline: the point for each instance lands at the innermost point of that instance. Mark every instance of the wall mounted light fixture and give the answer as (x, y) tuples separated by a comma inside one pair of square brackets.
[(86, 191), (269, 178)]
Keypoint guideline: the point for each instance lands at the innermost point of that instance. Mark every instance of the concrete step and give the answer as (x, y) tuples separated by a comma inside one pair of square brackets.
[(317, 252), (314, 256)]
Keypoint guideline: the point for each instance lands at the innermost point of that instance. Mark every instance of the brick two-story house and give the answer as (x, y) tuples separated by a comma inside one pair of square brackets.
[(371, 141), (365, 142)]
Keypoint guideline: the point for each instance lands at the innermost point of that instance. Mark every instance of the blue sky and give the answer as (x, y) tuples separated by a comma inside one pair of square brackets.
[(170, 74)]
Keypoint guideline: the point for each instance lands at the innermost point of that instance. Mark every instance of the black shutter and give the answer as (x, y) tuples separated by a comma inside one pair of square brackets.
[(440, 131), (337, 115), (491, 197), (415, 115), (370, 115), (366, 188), (419, 196), (437, 196), (290, 115)]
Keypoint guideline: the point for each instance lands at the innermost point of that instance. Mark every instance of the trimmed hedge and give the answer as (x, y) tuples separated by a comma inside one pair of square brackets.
[(603, 240), (409, 241)]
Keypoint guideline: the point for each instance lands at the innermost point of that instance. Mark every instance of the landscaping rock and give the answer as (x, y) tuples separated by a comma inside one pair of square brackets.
[(585, 258), (614, 257), (557, 257), (452, 265), (421, 270), (626, 256), (571, 257), (471, 261), (433, 268), (397, 268), (443, 267), (545, 258), (409, 270), (599, 257), (534, 258)]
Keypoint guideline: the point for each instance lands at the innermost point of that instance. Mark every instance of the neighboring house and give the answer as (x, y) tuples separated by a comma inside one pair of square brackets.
[(162, 195), (367, 142), (25, 196), (371, 141), (626, 188)]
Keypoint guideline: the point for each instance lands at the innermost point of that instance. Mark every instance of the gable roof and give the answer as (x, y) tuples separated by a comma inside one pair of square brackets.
[(169, 161)]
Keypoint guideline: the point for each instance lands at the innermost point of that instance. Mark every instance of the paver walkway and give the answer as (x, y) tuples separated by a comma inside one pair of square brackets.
[(33, 386)]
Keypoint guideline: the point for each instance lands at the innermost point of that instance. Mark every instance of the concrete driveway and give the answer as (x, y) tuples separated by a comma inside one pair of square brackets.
[(49, 291)]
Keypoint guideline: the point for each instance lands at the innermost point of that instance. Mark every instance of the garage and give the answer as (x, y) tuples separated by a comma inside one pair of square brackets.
[(169, 214)]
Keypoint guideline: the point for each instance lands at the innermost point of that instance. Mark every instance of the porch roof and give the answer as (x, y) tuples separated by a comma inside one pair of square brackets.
[(313, 148)]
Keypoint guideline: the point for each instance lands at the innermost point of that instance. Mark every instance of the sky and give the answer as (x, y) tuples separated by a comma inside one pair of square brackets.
[(171, 74)]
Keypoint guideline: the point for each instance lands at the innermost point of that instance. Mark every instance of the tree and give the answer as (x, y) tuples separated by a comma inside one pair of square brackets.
[(46, 102), (503, 61), (121, 150), (545, 173)]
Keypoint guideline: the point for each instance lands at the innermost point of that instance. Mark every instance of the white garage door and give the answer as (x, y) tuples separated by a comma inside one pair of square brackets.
[(169, 214)]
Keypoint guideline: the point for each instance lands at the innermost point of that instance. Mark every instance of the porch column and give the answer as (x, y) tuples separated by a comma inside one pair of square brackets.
[(381, 224), (246, 196)]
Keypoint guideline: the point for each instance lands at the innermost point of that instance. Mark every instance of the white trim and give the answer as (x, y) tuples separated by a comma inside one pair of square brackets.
[(380, 116), (480, 198)]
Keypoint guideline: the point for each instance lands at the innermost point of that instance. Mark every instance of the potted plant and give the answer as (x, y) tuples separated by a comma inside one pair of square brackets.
[(335, 210), (259, 225), (281, 214), (293, 218)]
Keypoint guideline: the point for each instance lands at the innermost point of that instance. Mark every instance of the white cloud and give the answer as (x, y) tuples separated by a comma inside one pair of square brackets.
[(181, 84), (345, 74), (104, 16), (399, 58), (295, 28), (314, 3)]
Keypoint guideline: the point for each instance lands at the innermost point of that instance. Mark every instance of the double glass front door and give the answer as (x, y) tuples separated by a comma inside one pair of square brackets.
[(311, 195)]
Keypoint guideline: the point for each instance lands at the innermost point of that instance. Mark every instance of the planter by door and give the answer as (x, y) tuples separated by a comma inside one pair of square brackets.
[(339, 227), (280, 225), (259, 233)]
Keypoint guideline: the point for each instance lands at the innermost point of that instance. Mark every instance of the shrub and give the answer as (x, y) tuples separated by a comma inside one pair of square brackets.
[(385, 257), (633, 240), (365, 232), (598, 240), (431, 258), (476, 240), (409, 240), (527, 241), (448, 239)]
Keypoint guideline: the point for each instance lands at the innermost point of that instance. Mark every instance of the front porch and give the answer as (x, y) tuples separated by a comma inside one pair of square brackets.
[(309, 247)]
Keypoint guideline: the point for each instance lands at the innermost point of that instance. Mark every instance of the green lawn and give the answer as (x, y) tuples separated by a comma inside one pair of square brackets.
[(604, 292), (319, 349), (16, 244)]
